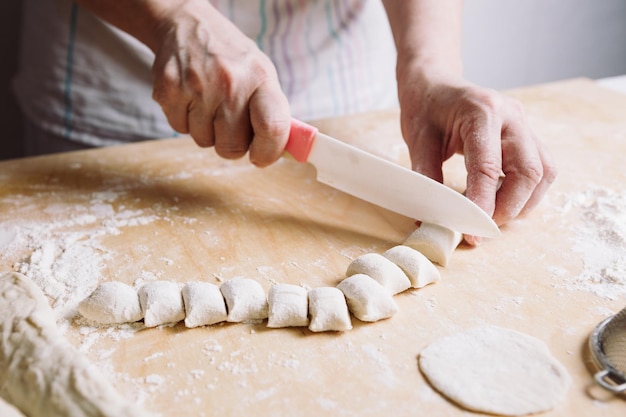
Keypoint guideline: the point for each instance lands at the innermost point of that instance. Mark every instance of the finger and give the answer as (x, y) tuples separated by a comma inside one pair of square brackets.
[(270, 117), (549, 175), (426, 153), (233, 132), (176, 115), (523, 170), (483, 160), (169, 93), (200, 120)]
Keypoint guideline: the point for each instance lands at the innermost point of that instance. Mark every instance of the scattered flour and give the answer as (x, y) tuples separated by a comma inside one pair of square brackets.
[(66, 257), (385, 376), (600, 240), (62, 253)]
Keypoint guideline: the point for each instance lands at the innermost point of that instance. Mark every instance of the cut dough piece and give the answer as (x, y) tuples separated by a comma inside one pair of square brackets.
[(41, 373), (112, 303), (288, 306), (245, 299), (495, 371), (367, 299), (415, 265), (328, 310), (387, 273), (436, 242), (161, 302), (204, 304)]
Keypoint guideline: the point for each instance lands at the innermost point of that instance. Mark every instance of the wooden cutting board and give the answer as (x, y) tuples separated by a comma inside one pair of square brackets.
[(169, 210)]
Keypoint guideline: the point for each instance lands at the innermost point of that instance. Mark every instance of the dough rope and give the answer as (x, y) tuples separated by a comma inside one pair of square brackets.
[(367, 292), (41, 373), (30, 341)]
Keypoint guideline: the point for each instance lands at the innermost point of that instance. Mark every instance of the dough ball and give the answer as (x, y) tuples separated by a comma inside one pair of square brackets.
[(376, 266), (288, 306), (204, 304), (495, 371), (436, 242), (328, 310), (367, 299), (112, 303), (245, 299), (415, 265), (162, 303)]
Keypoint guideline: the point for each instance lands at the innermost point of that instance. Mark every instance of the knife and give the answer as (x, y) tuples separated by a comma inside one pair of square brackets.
[(386, 184)]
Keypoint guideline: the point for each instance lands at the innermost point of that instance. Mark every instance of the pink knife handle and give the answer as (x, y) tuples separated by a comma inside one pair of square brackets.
[(301, 138)]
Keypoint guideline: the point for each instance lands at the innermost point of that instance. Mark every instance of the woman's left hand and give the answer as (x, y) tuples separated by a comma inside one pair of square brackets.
[(508, 168)]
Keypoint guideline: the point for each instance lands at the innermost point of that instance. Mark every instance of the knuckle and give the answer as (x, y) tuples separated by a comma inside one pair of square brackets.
[(533, 173), (549, 173), (269, 127), (167, 84), (490, 169), (227, 85), (517, 108), (484, 100), (236, 79)]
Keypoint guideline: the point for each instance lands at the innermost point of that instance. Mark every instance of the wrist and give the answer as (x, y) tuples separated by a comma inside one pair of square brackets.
[(415, 67), (166, 16), (149, 21)]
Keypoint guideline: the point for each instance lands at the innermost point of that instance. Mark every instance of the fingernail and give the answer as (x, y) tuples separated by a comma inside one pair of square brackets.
[(474, 240)]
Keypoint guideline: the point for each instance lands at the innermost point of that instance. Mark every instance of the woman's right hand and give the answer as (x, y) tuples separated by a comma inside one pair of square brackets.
[(215, 84)]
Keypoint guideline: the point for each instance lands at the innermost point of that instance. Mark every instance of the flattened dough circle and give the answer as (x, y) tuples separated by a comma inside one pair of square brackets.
[(496, 371)]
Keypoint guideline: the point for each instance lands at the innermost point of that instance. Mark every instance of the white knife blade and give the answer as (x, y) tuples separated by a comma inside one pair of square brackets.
[(386, 184)]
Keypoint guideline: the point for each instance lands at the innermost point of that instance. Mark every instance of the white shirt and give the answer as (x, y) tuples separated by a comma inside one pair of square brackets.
[(90, 83)]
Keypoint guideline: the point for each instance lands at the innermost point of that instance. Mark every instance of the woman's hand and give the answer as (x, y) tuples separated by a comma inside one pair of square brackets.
[(209, 78), (215, 84), (508, 169)]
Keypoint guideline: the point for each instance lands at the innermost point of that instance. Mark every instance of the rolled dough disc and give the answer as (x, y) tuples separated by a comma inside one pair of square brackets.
[(496, 371)]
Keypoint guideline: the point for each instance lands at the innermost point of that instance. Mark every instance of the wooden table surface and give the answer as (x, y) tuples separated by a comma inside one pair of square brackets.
[(169, 210)]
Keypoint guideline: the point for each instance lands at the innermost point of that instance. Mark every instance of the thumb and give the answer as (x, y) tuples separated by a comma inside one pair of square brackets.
[(270, 117)]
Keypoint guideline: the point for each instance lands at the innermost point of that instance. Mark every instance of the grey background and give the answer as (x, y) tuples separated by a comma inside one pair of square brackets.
[(506, 44)]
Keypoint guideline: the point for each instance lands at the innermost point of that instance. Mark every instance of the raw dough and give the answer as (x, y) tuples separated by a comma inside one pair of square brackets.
[(415, 265), (496, 371), (367, 299), (204, 304), (387, 273), (245, 299), (288, 306), (112, 303), (7, 410), (41, 373), (328, 310), (161, 302), (435, 242)]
